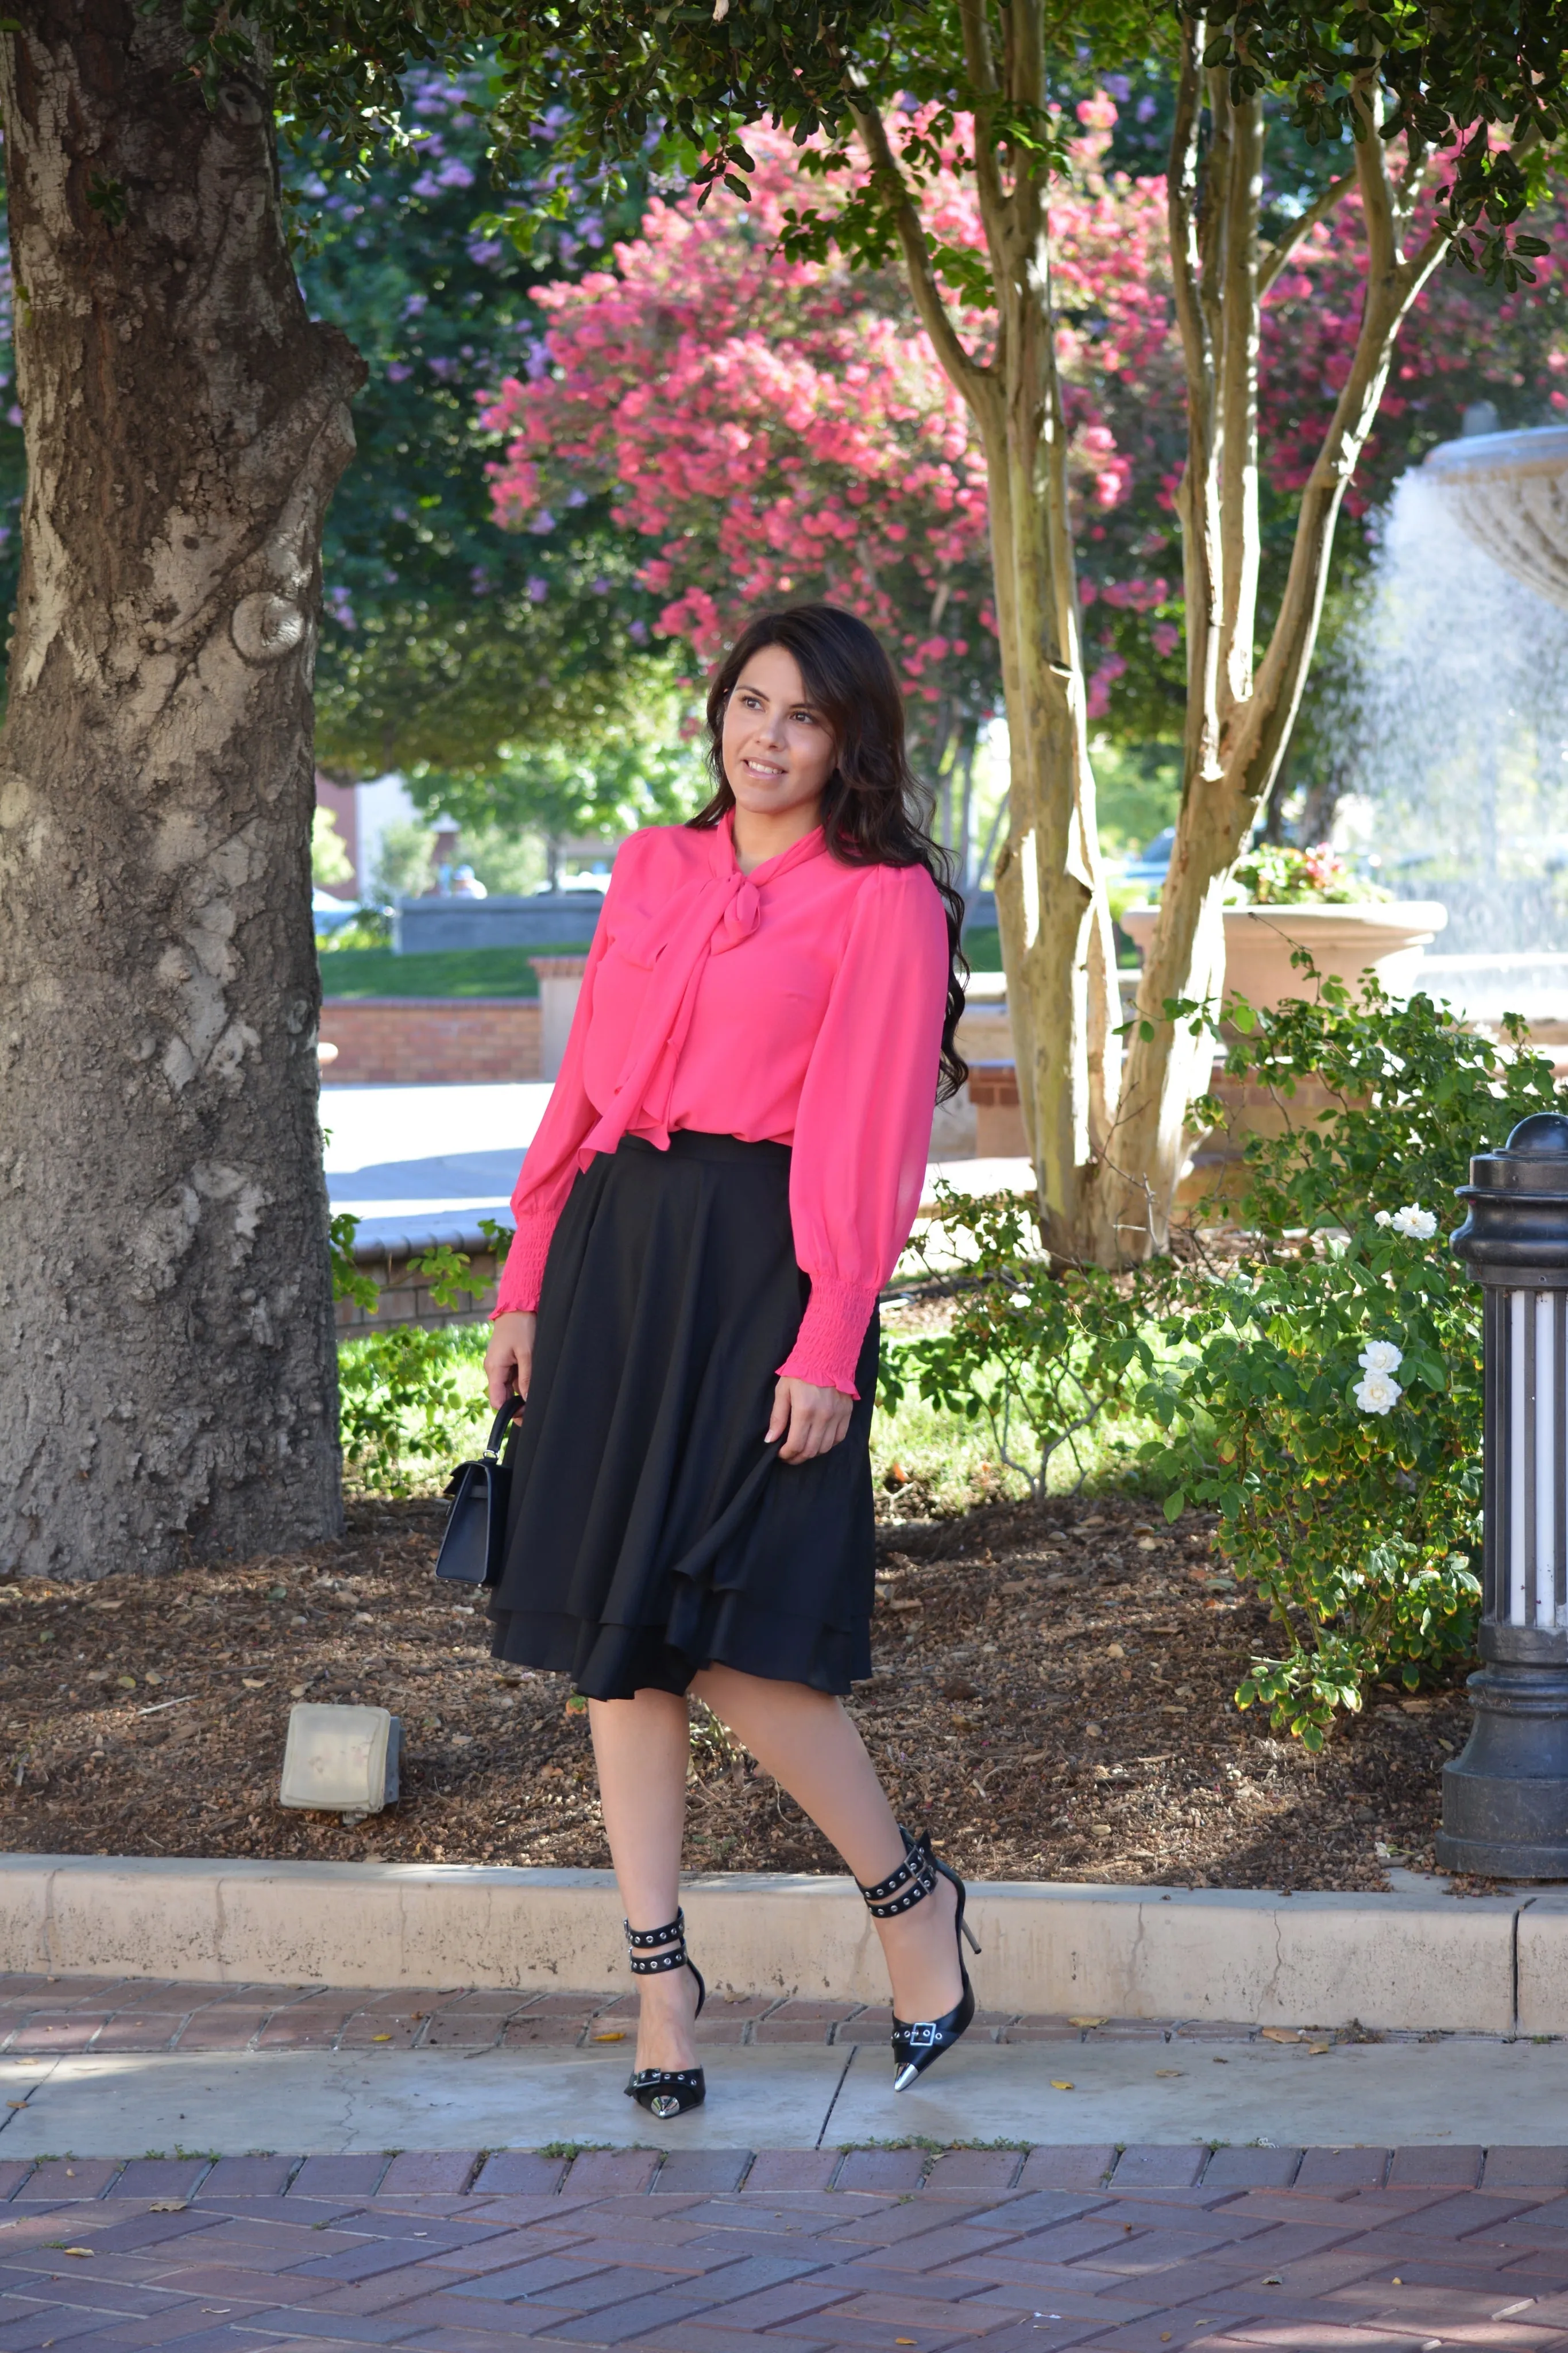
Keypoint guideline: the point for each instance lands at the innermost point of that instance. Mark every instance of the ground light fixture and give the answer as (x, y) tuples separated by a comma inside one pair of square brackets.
[(1505, 1799), (341, 1760)]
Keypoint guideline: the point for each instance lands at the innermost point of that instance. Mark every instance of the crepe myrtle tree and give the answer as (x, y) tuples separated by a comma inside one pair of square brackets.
[(1439, 121)]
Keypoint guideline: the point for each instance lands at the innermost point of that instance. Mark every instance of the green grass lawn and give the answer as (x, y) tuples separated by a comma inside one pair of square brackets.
[(983, 947), (449, 972), (947, 1462)]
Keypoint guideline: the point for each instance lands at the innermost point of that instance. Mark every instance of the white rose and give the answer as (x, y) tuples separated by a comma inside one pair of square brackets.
[(1416, 1225), (1383, 1218), (1377, 1393), (1381, 1356)]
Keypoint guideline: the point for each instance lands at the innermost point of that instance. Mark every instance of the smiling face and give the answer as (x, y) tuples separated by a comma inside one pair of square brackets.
[(778, 750)]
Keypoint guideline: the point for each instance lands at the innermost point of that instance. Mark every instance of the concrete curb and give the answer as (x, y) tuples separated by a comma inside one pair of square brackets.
[(1417, 1959)]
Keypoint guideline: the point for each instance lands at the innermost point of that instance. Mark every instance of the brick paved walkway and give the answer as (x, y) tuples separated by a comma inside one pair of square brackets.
[(1349, 2250), (51, 2016)]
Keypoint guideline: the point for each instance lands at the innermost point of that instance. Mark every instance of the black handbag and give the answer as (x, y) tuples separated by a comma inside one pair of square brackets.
[(475, 1533)]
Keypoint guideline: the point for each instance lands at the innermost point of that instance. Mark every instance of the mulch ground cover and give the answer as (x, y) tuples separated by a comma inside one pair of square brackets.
[(1053, 1695)]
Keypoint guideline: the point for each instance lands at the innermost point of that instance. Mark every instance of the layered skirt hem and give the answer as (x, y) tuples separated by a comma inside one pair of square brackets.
[(651, 1533)]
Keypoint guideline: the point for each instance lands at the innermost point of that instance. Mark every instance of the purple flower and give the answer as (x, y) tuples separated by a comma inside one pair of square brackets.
[(396, 373), (637, 633), (543, 521), (538, 589), (484, 252), (336, 601)]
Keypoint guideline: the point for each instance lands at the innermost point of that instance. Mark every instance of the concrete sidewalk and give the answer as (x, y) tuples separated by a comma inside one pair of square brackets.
[(724, 2251), (101, 2068), (1382, 2094)]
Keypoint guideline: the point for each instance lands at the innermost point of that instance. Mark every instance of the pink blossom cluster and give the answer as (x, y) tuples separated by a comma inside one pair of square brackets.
[(780, 430), (1463, 340), (777, 430)]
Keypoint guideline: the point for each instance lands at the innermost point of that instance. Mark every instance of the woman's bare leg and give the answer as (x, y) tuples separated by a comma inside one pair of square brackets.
[(805, 1739), (642, 1749)]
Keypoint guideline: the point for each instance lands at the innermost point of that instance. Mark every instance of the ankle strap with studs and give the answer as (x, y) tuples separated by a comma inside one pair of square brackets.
[(642, 1939), (904, 1888)]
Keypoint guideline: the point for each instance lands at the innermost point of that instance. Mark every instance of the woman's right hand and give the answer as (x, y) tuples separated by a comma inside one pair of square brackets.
[(509, 1359)]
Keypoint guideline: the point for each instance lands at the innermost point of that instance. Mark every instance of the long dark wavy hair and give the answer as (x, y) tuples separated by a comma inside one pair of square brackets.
[(873, 811)]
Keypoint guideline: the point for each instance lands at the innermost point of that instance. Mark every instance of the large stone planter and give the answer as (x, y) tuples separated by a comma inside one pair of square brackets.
[(1391, 935), (560, 986)]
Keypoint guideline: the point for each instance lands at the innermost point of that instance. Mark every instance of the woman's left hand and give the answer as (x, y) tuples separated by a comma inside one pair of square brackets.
[(810, 1420)]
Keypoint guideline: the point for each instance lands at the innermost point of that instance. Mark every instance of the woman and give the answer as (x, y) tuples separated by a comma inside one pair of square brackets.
[(727, 1173)]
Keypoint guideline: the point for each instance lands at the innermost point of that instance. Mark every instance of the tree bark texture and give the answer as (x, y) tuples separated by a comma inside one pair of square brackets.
[(167, 1362)]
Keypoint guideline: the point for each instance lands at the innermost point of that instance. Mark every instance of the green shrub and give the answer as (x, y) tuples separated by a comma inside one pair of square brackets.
[(1037, 1351), (1414, 1096), (403, 1402), (407, 1396), (1328, 1406), (1317, 1383), (1325, 1396)]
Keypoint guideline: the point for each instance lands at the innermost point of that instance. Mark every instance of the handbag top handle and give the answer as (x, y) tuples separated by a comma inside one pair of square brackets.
[(493, 1444)]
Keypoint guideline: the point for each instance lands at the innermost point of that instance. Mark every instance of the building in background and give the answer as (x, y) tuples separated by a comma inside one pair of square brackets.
[(362, 814)]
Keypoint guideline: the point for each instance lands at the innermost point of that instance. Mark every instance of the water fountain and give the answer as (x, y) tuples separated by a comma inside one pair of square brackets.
[(1453, 701)]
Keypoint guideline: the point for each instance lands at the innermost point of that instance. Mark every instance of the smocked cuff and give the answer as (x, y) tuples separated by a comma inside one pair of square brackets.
[(517, 1294), (831, 1332)]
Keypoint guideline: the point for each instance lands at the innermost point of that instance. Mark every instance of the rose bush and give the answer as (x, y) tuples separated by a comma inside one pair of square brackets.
[(1317, 1385)]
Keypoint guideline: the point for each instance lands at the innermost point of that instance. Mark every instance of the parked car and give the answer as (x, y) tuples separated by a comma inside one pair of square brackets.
[(1149, 869), (330, 914)]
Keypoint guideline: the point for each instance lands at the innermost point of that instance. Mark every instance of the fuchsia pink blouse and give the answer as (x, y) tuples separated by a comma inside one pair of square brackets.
[(802, 1002)]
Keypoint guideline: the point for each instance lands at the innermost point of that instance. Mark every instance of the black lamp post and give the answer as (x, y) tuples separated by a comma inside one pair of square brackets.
[(1505, 1800)]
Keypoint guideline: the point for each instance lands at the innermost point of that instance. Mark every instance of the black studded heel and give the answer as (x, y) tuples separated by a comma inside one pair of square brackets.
[(918, 2047), (666, 2092)]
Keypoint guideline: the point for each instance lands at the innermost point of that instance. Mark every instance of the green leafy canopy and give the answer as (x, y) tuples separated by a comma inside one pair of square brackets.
[(682, 82)]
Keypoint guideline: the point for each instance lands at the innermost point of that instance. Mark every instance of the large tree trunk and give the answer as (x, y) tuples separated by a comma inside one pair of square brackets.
[(167, 1367)]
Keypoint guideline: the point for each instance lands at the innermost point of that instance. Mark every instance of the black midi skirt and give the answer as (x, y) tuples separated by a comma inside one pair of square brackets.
[(651, 1531)]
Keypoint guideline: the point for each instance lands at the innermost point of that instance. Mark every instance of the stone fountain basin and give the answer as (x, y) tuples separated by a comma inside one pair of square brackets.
[(1391, 935), (1510, 492)]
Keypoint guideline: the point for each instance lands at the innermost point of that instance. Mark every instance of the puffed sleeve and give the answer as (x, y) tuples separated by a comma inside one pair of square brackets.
[(863, 1130), (549, 1163)]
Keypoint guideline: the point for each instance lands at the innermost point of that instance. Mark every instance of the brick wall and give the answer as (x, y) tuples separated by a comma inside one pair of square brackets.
[(405, 1297), (999, 1120), (393, 1041)]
